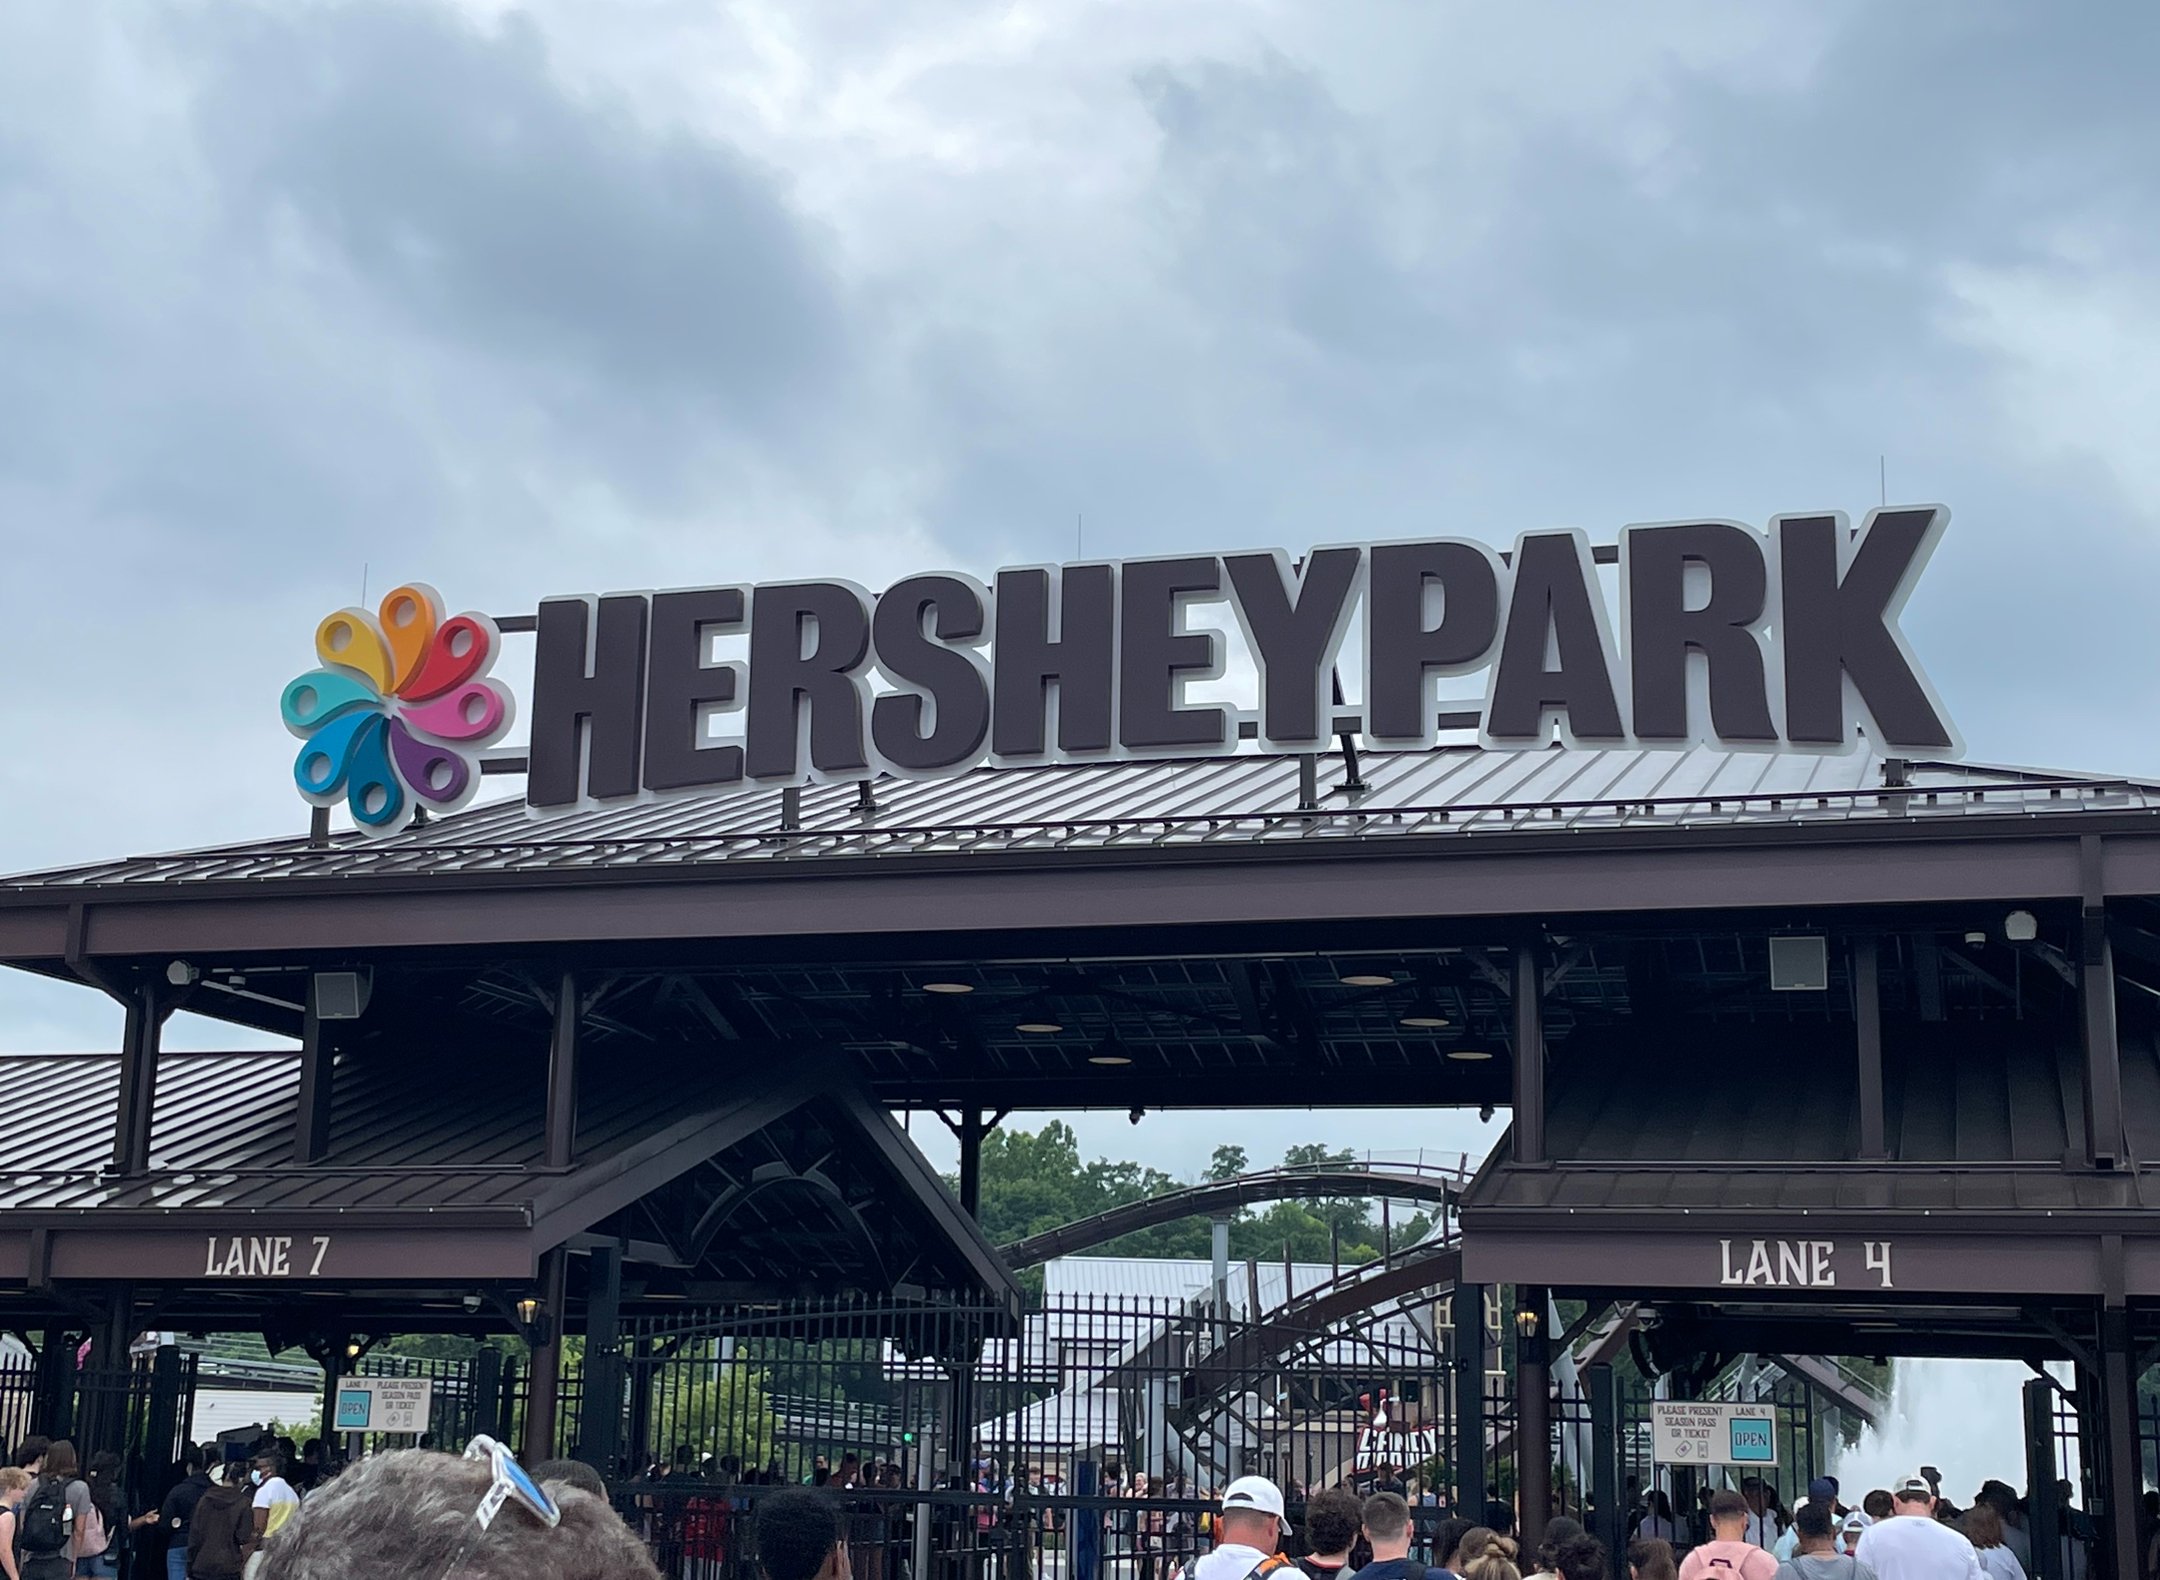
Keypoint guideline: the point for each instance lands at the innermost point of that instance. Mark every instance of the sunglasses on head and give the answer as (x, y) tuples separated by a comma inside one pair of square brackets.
[(509, 1484)]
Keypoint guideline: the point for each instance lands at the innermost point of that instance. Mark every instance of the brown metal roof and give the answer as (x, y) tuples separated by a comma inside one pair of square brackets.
[(1980, 1117), (424, 1133), (443, 1139), (1244, 800)]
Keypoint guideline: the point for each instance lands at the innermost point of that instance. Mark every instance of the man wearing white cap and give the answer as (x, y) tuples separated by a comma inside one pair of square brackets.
[(1850, 1531), (1912, 1544), (1248, 1533)]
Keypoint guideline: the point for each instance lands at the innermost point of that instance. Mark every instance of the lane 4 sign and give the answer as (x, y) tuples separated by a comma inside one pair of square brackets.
[(1684, 1432)]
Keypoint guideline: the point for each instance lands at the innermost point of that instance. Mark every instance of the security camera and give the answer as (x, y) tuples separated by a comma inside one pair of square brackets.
[(182, 973), (1484, 1113), (1136, 1116), (472, 1303)]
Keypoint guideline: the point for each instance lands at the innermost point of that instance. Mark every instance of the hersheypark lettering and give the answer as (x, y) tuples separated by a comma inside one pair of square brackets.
[(1759, 640)]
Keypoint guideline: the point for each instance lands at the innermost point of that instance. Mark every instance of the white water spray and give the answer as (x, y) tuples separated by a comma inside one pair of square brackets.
[(1965, 1418)]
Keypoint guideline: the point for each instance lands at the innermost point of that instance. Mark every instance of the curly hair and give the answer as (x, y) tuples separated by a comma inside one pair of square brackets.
[(410, 1512), (1331, 1520), (796, 1530), (1580, 1557)]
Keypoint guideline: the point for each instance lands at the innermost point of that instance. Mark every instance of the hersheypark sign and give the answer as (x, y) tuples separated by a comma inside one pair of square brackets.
[(1779, 640)]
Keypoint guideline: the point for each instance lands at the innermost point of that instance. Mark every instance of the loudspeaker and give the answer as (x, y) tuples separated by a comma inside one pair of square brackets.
[(1799, 965), (340, 995)]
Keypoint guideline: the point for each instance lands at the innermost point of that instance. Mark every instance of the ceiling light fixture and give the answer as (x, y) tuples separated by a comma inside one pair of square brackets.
[(2021, 927), (1425, 1017), (1039, 1028), (1468, 1055), (1364, 975), (1110, 1052), (948, 987)]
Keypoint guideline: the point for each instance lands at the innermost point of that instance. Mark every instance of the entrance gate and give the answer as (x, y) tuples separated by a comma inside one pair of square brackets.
[(970, 1445)]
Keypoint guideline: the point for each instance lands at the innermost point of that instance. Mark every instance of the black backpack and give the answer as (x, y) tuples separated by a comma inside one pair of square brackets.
[(44, 1520)]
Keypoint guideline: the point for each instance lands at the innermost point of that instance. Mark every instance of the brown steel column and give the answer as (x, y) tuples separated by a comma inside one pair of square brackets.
[(1529, 1057), (311, 1127), (2096, 981), (562, 1076), (2121, 1466), (546, 1379), (138, 1080), (1867, 1018), (1533, 1415), (971, 1131)]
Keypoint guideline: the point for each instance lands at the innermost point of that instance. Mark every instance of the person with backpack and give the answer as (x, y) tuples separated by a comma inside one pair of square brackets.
[(94, 1557), (1728, 1555), (1817, 1556), (1332, 1517), (1248, 1534), (58, 1522), (221, 1532), (1386, 1519)]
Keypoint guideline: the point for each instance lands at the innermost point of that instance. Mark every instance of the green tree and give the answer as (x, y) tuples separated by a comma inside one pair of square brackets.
[(1228, 1163), (724, 1410)]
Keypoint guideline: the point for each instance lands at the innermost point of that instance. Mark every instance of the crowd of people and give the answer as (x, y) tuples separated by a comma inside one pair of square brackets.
[(1748, 1535), (61, 1517), (267, 1511)]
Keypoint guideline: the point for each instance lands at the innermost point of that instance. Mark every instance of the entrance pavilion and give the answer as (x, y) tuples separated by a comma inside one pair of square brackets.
[(1821, 1055)]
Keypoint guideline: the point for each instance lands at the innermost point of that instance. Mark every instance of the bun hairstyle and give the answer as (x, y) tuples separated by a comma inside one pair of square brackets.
[(1494, 1557)]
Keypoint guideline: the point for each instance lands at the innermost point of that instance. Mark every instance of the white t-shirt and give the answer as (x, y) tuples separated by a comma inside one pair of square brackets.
[(1999, 1563), (1231, 1561), (1762, 1530), (1657, 1527), (1914, 1547), (278, 1497)]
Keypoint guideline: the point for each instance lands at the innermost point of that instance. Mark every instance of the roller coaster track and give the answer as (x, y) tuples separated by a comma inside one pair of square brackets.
[(1431, 1182)]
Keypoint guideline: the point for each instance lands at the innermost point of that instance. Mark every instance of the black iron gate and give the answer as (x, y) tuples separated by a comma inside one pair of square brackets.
[(964, 1442)]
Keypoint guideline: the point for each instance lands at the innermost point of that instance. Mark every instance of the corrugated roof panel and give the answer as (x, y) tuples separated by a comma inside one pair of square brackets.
[(1246, 798), (406, 1132)]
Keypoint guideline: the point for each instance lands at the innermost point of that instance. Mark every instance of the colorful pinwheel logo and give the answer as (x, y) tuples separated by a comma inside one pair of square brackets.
[(400, 711)]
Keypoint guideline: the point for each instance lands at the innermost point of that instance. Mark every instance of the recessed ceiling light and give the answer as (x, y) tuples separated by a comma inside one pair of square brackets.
[(1041, 1028), (1425, 1020), (1108, 1058), (1468, 1055), (948, 987)]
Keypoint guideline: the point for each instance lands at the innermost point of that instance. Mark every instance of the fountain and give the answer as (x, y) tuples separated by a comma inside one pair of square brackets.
[(1964, 1417)]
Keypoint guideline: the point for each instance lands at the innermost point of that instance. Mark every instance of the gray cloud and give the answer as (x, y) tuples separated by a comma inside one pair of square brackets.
[(558, 299), (452, 170)]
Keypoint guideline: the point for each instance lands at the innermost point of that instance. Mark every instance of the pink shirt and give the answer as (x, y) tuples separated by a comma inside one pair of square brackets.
[(1728, 1561)]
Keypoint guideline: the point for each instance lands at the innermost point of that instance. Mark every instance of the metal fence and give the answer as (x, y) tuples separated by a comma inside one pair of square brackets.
[(964, 1444), (1091, 1435)]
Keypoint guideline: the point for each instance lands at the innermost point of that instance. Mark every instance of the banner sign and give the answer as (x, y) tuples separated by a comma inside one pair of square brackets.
[(1689, 1433), (383, 1404), (1779, 640)]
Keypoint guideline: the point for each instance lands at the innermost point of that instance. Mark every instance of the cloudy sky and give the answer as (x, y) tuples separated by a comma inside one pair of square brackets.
[(587, 294)]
